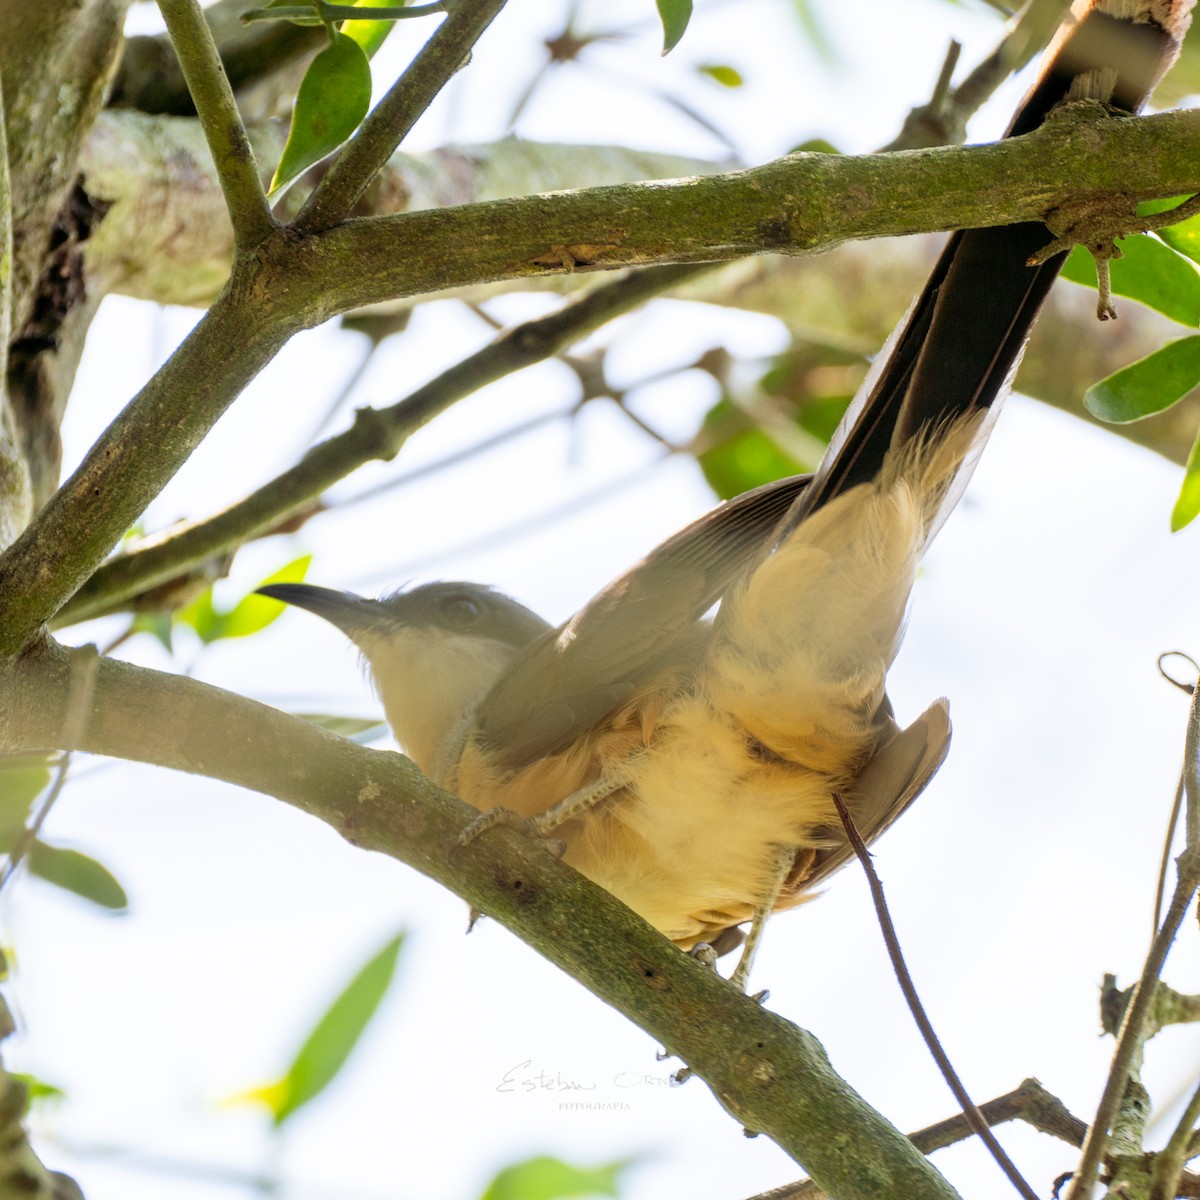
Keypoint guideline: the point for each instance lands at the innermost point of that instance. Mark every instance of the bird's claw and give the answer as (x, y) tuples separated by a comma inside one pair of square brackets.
[(505, 816)]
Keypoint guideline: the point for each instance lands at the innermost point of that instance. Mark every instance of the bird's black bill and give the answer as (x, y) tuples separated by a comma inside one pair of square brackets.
[(348, 612)]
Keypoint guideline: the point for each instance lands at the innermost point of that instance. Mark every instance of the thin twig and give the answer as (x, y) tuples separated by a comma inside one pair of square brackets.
[(1131, 1036), (1170, 1160), (1028, 34), (385, 127), (1191, 774), (1152, 222), (704, 441), (375, 434), (972, 1114), (1160, 889), (6, 245), (933, 123), (83, 684), (340, 12), (232, 153), (943, 118), (941, 89), (1164, 865)]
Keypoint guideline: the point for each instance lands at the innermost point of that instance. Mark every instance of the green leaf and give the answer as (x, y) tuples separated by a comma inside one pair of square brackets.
[(22, 779), (334, 96), (744, 460), (1150, 272), (723, 74), (77, 873), (248, 616), (38, 1089), (815, 146), (1184, 237), (675, 15), (744, 456), (351, 728), (370, 35), (546, 1178), (253, 612), (1188, 504), (1151, 208), (815, 31), (158, 625), (201, 616), (1147, 386), (334, 1036)]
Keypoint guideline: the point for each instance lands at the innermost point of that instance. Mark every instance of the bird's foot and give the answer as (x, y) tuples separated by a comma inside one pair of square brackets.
[(505, 816)]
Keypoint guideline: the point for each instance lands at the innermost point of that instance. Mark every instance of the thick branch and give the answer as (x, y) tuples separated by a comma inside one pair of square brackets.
[(137, 164), (16, 491), (55, 60), (1030, 1102), (774, 1077), (802, 204)]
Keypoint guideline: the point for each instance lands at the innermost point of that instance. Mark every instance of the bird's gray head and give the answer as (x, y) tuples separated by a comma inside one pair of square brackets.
[(434, 652)]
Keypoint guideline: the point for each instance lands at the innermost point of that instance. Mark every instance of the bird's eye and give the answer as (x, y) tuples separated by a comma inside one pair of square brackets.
[(460, 611)]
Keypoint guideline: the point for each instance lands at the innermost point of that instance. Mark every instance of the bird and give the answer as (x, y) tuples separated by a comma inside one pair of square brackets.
[(692, 764)]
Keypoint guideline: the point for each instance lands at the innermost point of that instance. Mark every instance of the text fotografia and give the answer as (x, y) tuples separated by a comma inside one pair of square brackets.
[(526, 1078), (595, 1106)]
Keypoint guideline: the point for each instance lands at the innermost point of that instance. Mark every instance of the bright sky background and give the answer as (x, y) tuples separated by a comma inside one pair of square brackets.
[(1023, 874)]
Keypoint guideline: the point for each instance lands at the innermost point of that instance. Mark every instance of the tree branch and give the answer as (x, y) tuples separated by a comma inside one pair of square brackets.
[(386, 126), (219, 117), (1029, 33), (55, 61), (802, 204), (1030, 1102), (16, 489), (772, 1076)]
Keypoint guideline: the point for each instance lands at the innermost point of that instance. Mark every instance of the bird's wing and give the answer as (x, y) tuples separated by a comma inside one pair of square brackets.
[(888, 784), (955, 354), (643, 622)]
